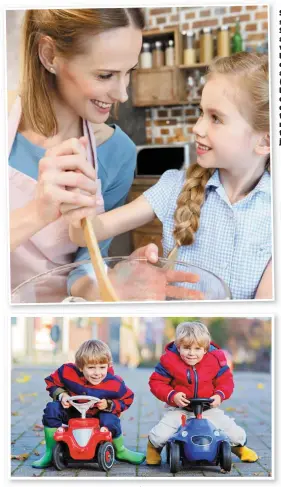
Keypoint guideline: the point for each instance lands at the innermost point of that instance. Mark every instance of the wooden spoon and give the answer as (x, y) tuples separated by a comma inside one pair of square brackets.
[(171, 259), (106, 290)]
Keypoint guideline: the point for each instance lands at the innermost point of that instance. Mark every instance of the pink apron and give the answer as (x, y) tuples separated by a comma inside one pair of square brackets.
[(50, 247)]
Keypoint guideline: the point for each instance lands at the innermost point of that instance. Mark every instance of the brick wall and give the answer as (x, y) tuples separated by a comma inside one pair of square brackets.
[(165, 125)]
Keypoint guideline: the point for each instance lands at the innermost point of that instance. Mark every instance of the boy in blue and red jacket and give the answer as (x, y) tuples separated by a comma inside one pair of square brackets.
[(91, 375), (192, 366)]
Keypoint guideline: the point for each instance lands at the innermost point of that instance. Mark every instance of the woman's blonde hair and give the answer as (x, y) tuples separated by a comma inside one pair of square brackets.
[(250, 70), (69, 30), (193, 332), (93, 352)]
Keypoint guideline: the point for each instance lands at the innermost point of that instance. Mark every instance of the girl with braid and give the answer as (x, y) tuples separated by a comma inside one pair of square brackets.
[(217, 213)]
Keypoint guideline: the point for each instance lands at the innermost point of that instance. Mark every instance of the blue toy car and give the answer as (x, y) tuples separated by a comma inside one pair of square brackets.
[(198, 441)]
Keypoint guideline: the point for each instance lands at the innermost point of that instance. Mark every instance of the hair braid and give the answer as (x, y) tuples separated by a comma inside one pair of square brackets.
[(190, 200)]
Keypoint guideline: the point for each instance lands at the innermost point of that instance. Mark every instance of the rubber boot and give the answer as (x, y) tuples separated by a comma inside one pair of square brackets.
[(125, 455), (245, 454), (46, 460), (153, 455)]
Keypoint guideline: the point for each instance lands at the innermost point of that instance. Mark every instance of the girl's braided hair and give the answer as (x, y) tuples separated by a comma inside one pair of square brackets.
[(251, 72)]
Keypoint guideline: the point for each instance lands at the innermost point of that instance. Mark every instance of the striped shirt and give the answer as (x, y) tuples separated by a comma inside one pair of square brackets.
[(68, 378)]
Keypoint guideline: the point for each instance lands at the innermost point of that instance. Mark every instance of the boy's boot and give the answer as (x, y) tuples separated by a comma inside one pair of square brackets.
[(153, 455), (46, 460), (244, 453), (125, 455)]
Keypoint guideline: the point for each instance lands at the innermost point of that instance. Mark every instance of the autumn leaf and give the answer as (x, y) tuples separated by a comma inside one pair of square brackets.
[(260, 386), (143, 436), (23, 396), (23, 379), (43, 442), (21, 457), (15, 413), (230, 409), (36, 453)]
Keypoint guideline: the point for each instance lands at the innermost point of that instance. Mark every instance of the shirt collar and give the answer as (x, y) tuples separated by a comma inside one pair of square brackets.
[(264, 184)]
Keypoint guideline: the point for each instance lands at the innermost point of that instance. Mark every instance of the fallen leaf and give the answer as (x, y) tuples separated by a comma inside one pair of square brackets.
[(23, 379), (143, 436), (43, 442), (131, 418), (38, 427), (230, 409), (260, 386), (21, 457), (36, 453), (23, 396), (15, 413)]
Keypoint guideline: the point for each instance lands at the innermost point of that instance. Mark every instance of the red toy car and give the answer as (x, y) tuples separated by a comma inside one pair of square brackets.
[(83, 441)]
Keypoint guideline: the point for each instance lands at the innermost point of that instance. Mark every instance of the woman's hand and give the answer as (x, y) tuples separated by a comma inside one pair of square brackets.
[(180, 400), (65, 400), (133, 280), (216, 402), (140, 281), (65, 177)]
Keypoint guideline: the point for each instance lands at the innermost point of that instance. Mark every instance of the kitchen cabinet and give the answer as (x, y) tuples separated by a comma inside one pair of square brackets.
[(165, 85), (159, 86), (151, 232)]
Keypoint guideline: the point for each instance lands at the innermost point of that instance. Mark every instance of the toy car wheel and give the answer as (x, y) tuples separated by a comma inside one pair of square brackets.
[(106, 456), (168, 452), (60, 455), (225, 456), (174, 457)]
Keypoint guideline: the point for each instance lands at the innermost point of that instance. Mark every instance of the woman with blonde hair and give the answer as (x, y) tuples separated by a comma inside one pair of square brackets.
[(217, 214), (76, 67)]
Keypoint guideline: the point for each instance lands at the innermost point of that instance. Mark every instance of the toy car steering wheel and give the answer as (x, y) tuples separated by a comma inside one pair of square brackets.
[(83, 407), (200, 400)]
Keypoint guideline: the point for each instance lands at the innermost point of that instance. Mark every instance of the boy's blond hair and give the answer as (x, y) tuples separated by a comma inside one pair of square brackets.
[(192, 332), (93, 352)]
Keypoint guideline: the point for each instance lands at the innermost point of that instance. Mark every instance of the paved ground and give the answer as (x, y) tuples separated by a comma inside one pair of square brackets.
[(250, 405)]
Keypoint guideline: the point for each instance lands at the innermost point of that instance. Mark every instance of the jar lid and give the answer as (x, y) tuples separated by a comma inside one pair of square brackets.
[(170, 43), (188, 33), (223, 27), (146, 46), (205, 30)]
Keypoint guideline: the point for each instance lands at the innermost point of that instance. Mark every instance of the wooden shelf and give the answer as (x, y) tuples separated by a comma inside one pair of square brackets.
[(193, 66)]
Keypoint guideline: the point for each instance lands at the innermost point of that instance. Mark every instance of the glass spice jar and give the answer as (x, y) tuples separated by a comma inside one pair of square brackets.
[(170, 53), (206, 45), (223, 41), (158, 55), (189, 49), (146, 56)]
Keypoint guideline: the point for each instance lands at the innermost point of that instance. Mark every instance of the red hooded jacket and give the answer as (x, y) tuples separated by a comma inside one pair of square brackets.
[(208, 377)]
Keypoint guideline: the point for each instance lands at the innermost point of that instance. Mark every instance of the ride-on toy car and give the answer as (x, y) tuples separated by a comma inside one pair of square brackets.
[(83, 441), (198, 441)]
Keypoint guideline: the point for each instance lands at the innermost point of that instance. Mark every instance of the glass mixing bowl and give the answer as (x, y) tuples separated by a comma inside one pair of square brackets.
[(134, 279)]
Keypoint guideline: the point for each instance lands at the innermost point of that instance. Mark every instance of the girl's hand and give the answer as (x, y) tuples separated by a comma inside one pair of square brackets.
[(102, 404), (64, 174), (180, 400), (217, 401), (64, 400)]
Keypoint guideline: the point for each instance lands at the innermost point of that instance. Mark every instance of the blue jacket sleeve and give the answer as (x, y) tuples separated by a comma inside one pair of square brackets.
[(117, 162)]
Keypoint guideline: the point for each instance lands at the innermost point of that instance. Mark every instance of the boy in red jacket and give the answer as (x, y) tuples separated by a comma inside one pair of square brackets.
[(91, 375), (193, 367)]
